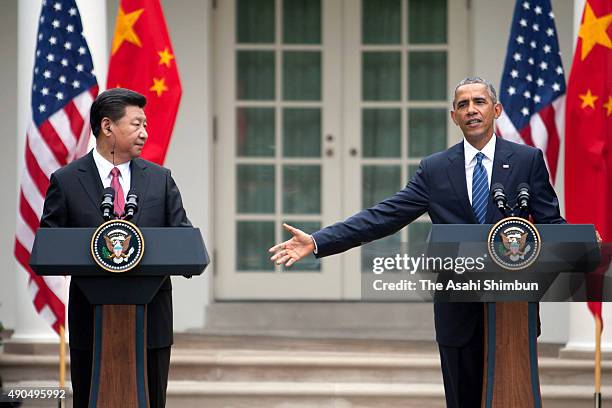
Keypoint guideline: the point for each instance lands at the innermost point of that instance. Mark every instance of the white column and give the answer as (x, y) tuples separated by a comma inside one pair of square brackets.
[(581, 322), (578, 9), (29, 327)]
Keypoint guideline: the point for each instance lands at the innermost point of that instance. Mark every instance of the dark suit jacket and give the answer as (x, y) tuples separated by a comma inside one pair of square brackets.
[(439, 188), (73, 201)]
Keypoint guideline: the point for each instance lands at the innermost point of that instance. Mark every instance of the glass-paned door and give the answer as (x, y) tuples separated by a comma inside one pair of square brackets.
[(277, 125), (408, 54), (323, 107)]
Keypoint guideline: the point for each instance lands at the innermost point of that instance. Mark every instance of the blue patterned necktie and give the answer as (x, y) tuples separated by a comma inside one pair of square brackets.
[(480, 190)]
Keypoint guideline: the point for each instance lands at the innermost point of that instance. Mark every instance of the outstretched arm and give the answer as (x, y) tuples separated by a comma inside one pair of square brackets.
[(385, 218)]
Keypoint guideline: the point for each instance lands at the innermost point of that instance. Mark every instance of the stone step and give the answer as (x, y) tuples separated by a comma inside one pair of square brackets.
[(307, 367), (384, 320), (299, 366), (187, 394)]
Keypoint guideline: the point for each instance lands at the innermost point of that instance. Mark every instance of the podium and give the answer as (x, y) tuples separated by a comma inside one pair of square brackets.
[(510, 375), (119, 372)]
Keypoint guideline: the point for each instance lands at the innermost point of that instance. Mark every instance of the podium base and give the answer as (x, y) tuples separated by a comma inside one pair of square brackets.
[(119, 373), (511, 376)]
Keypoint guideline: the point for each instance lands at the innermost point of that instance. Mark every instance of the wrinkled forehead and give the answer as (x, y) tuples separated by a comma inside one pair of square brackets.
[(471, 92)]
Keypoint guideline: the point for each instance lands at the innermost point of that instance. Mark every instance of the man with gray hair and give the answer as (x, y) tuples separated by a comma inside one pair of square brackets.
[(476, 80), (452, 186)]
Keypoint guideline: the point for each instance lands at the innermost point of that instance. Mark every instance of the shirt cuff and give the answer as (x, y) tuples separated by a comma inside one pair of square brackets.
[(316, 249)]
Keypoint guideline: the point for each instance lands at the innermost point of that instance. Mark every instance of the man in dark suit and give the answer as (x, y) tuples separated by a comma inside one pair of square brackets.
[(453, 188), (119, 124)]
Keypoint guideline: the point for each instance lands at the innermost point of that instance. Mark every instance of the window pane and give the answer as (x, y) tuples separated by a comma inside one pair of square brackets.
[(255, 188), (302, 75), (426, 131), (378, 183), (417, 236), (255, 75), (427, 21), (384, 247), (381, 21), (255, 132), (308, 263), (427, 75), (301, 189), (381, 132), (381, 76), (302, 21), (253, 240), (412, 169), (255, 21), (302, 132)]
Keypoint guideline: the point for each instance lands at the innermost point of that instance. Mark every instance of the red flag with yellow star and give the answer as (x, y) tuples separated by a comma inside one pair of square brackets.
[(588, 117), (142, 60)]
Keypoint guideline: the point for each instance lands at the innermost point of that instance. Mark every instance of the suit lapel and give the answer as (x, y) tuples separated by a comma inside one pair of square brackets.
[(139, 183), (89, 177), (456, 175), (502, 168)]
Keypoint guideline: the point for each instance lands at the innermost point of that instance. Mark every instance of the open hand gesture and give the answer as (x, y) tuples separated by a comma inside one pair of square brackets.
[(294, 249)]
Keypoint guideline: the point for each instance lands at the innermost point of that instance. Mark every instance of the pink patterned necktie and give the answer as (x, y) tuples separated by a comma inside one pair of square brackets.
[(119, 198)]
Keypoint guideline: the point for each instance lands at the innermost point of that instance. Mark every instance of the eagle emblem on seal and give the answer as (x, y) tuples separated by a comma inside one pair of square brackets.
[(514, 240), (118, 245), (514, 243)]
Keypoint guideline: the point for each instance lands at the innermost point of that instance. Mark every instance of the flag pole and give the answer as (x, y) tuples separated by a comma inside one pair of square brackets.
[(62, 364), (598, 329)]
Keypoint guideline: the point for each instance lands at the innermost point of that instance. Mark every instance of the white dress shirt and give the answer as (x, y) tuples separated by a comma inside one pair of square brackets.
[(105, 167), (470, 161)]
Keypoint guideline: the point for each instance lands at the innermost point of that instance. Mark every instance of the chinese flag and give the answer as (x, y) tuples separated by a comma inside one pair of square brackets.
[(588, 146), (142, 60)]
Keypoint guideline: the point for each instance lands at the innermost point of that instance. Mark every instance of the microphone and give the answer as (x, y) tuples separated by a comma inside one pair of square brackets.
[(107, 206), (131, 205), (523, 196), (499, 197)]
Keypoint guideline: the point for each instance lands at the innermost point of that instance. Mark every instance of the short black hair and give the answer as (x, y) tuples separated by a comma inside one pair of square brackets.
[(111, 104)]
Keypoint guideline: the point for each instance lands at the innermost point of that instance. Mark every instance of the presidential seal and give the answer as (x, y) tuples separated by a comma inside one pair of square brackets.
[(117, 246), (514, 243)]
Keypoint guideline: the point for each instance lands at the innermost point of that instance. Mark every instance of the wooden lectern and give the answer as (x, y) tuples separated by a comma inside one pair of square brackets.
[(511, 376), (119, 375)]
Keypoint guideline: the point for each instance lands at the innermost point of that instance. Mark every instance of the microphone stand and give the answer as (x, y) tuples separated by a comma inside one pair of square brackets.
[(514, 211)]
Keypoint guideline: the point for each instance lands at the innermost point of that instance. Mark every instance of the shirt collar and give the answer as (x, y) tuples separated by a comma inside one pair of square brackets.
[(470, 151), (105, 167)]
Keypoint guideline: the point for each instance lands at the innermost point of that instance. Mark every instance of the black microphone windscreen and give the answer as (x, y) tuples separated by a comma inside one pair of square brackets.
[(109, 191), (497, 186), (523, 186), (132, 196)]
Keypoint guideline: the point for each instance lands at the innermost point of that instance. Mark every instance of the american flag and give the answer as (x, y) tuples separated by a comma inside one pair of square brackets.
[(63, 89), (532, 87)]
